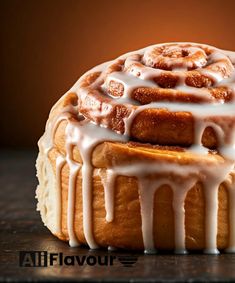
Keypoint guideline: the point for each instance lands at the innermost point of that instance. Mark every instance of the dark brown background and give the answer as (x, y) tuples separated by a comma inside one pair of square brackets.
[(46, 45)]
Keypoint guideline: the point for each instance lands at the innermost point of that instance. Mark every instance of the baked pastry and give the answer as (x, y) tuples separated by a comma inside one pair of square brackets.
[(139, 153)]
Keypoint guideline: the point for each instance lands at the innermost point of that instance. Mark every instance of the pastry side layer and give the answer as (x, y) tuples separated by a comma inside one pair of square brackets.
[(125, 230)]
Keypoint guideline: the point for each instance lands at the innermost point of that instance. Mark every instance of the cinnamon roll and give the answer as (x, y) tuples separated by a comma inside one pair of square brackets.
[(139, 154)]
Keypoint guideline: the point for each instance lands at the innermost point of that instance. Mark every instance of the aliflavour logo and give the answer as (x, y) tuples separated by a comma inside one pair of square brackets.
[(44, 259)]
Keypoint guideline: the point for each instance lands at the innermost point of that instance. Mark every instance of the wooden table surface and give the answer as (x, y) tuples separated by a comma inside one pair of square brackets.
[(22, 230)]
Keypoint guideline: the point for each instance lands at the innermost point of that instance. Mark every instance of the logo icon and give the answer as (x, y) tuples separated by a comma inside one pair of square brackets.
[(127, 261)]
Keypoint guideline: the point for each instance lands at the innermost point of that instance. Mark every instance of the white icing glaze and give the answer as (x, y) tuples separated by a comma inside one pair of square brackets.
[(60, 161), (86, 136), (73, 172)]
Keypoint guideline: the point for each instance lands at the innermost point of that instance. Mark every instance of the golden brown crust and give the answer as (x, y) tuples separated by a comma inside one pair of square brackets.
[(148, 95)]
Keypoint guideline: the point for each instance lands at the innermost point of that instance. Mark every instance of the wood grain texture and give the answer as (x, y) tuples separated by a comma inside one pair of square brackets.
[(21, 229)]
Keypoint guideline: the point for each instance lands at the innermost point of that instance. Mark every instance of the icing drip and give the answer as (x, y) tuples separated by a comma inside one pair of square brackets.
[(109, 186), (85, 136), (73, 171), (211, 196), (231, 195), (146, 205), (60, 161), (180, 191)]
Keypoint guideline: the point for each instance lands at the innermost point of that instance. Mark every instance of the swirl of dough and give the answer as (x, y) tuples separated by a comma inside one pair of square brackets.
[(120, 94)]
